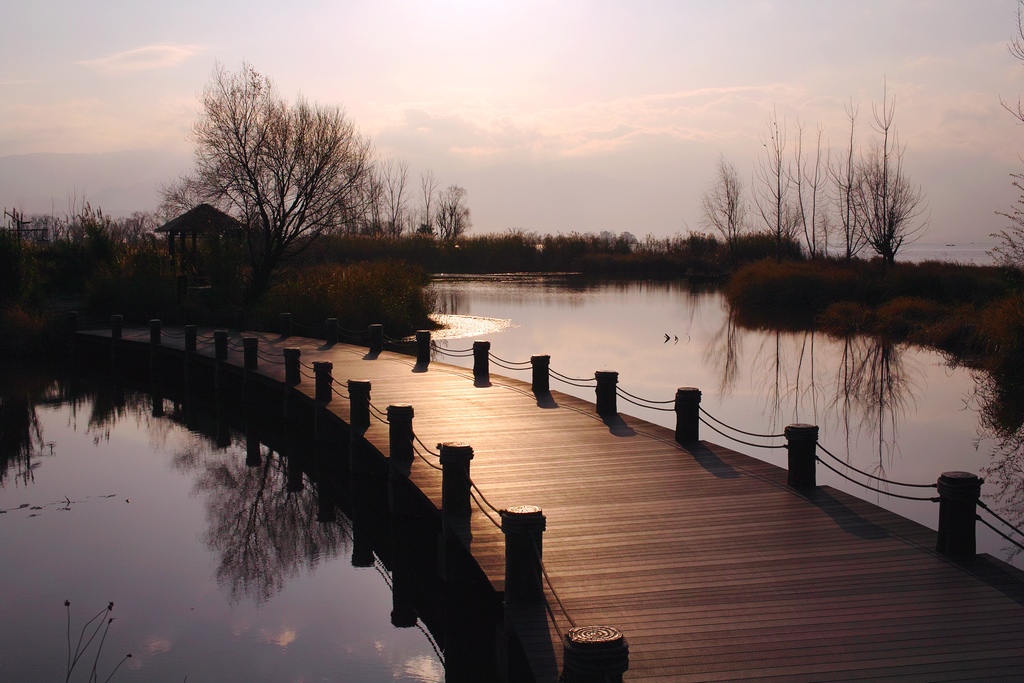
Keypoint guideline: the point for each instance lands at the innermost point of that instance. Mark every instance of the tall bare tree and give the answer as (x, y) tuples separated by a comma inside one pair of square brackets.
[(771, 186), (891, 206), (428, 200), (395, 174), (452, 217), (722, 206), (809, 179), (290, 172), (842, 171)]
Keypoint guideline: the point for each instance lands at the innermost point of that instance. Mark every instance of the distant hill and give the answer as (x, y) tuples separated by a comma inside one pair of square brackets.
[(117, 182)]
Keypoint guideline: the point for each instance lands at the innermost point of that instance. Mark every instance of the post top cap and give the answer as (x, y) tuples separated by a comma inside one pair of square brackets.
[(523, 510), (455, 449), (400, 409), (594, 636)]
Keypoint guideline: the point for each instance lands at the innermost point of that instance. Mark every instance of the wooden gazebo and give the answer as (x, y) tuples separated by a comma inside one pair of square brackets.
[(203, 221)]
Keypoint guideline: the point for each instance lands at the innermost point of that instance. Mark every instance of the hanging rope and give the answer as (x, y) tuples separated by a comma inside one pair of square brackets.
[(1007, 538), (484, 509), (592, 381), (861, 484), (740, 431), (872, 476), (992, 512), (268, 358), (624, 397), (502, 364), (426, 447), (733, 438), (454, 353), (424, 458)]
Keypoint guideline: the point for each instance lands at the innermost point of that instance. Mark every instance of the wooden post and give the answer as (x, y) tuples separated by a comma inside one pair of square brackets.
[(322, 370), (455, 498), (400, 434), (191, 335), (959, 493), (687, 415), (285, 324), (802, 444), (400, 437), (482, 362), (250, 353), (376, 334), (594, 654), (292, 374), (606, 397), (331, 325), (422, 348), (220, 345), (541, 374), (523, 527), (116, 326), (359, 405), (154, 332)]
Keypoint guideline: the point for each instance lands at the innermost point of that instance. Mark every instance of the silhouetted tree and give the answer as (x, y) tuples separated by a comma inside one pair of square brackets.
[(290, 172), (722, 206), (452, 218), (771, 187)]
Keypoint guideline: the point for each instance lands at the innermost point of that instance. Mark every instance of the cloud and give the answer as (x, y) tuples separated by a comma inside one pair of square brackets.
[(146, 58)]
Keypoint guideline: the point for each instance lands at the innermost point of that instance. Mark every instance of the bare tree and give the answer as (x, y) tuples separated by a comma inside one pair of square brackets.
[(842, 171), (452, 217), (771, 186), (891, 206), (808, 178), (396, 178), (290, 172), (428, 198), (722, 206)]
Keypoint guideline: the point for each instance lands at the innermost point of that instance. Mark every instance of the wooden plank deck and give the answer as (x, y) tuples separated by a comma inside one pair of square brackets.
[(708, 563)]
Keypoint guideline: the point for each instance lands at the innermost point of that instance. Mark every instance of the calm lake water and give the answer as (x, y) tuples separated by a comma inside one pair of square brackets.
[(893, 411), (216, 560)]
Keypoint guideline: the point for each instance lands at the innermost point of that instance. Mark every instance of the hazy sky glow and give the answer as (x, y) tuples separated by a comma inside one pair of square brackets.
[(555, 116)]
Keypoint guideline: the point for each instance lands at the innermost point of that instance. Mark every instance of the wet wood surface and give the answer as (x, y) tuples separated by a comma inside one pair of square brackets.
[(709, 564)]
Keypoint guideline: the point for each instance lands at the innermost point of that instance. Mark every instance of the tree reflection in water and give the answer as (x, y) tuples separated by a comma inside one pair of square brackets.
[(1000, 404), (855, 388), (262, 532)]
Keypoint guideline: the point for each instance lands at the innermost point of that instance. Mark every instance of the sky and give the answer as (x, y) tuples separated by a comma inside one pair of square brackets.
[(555, 116)]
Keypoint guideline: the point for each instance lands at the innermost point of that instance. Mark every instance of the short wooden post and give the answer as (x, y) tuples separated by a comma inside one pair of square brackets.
[(331, 325), (292, 374), (220, 345), (250, 353), (400, 438), (359, 405), (191, 335), (606, 397), (541, 374), (802, 444), (455, 488), (154, 332), (594, 654), (376, 335), (959, 493), (482, 362), (116, 326), (322, 370), (400, 434), (284, 323), (687, 415), (523, 527), (423, 348)]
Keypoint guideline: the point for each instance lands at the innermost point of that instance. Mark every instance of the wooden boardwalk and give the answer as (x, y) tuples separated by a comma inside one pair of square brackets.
[(709, 564)]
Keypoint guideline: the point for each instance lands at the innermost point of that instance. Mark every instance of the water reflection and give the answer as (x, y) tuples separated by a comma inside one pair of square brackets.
[(1000, 402)]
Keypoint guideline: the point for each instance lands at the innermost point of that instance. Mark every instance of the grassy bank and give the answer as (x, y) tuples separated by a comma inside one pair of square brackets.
[(973, 313)]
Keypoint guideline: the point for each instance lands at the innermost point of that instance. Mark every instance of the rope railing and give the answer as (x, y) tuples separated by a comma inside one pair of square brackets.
[(740, 441), (740, 431), (1002, 521), (430, 639), (173, 335), (337, 392), (268, 358), (554, 593), (872, 476), (625, 396), (454, 353), (521, 363), (502, 364), (424, 458), (574, 381), (888, 493), (425, 446), (483, 509)]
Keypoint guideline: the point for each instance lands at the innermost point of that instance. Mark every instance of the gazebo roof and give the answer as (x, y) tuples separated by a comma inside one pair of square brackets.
[(203, 219)]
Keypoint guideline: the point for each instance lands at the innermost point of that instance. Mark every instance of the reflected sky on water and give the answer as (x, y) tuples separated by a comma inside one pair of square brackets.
[(217, 566), (891, 410)]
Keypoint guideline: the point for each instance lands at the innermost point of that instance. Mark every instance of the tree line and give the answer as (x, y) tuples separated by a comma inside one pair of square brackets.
[(836, 202)]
